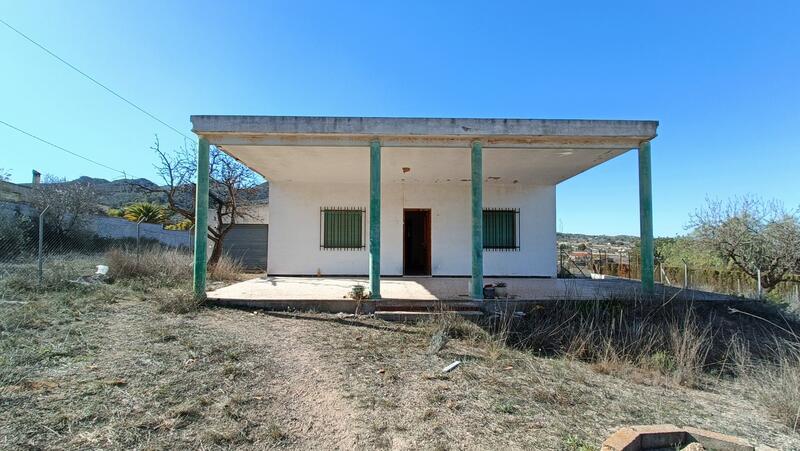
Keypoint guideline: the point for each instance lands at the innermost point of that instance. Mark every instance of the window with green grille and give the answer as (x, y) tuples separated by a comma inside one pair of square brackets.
[(342, 228), (501, 229)]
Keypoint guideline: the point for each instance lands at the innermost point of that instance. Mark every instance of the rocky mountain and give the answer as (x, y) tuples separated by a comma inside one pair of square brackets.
[(122, 192)]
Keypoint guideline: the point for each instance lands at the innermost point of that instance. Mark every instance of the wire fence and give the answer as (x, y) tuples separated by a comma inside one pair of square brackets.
[(39, 249), (621, 264), (46, 246)]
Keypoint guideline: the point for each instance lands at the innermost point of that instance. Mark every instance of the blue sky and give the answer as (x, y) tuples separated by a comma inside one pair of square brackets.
[(723, 78)]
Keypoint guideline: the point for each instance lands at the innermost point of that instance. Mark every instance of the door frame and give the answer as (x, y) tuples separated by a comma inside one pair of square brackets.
[(427, 237)]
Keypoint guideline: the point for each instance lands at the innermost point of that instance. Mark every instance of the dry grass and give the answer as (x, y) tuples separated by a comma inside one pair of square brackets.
[(179, 300), (121, 374), (113, 366), (59, 272), (226, 270), (44, 327), (102, 369), (675, 344), (689, 346), (681, 341), (773, 381), (165, 266), (777, 386), (453, 325)]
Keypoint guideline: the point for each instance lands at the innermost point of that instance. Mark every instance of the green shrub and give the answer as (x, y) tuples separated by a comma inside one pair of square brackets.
[(115, 212), (17, 235), (662, 361), (185, 224), (146, 212)]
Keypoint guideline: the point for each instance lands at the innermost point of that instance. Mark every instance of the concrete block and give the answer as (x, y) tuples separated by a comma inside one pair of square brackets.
[(717, 441), (667, 436), (660, 436), (625, 439)]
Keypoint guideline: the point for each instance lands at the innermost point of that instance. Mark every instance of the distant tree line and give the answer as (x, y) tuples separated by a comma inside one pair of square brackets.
[(748, 234)]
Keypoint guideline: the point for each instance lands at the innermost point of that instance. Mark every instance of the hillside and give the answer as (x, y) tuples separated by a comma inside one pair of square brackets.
[(577, 238), (122, 192), (118, 193)]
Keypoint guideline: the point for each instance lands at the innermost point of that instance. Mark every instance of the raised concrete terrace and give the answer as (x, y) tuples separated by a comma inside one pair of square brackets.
[(330, 293)]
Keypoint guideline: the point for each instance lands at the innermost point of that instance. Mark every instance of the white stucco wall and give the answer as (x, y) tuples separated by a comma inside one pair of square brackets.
[(295, 228), (108, 227)]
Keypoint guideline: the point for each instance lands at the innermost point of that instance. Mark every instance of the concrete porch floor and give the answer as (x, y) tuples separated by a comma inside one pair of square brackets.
[(301, 291)]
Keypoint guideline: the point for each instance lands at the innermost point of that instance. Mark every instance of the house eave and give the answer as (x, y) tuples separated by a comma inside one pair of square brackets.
[(437, 132)]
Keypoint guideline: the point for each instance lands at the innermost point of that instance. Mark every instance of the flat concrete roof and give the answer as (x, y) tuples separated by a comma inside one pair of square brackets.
[(533, 151), (353, 130)]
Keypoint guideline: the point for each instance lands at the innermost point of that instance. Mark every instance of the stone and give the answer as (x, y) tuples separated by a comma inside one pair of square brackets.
[(694, 447)]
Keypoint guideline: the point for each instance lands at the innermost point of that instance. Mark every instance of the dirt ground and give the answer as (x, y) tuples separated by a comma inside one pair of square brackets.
[(109, 371)]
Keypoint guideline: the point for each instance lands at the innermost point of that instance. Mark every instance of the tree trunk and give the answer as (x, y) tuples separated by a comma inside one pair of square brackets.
[(768, 284), (216, 254)]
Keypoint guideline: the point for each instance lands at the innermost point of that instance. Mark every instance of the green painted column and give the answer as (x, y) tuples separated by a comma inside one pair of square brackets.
[(201, 220), (646, 218), (476, 284), (375, 219)]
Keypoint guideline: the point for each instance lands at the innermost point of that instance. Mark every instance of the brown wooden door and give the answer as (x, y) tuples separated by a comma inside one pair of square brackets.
[(416, 242)]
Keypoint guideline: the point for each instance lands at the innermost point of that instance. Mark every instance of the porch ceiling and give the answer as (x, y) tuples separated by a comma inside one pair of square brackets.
[(431, 150)]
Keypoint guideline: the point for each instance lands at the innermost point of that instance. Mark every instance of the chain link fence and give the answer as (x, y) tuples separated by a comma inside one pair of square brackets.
[(625, 265), (39, 249)]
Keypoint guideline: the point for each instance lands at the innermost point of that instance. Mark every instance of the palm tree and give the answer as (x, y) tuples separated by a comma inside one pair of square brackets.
[(146, 212)]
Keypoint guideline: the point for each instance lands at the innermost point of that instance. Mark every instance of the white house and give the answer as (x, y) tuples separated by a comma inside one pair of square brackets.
[(420, 196)]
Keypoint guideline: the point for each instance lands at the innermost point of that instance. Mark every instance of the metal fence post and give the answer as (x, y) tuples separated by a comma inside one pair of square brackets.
[(41, 242), (758, 272), (685, 275), (138, 224)]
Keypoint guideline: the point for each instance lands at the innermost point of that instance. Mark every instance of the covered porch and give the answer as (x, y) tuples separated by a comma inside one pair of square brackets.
[(374, 174)]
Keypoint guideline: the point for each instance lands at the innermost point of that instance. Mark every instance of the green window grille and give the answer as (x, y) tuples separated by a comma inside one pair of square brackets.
[(342, 228), (501, 229)]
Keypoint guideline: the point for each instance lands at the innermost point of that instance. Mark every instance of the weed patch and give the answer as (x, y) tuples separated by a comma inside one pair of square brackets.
[(682, 341), (159, 265), (178, 301)]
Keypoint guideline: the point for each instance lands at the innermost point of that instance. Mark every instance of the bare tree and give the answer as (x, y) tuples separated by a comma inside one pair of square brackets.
[(231, 184), (753, 235), (5, 175), (69, 204)]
